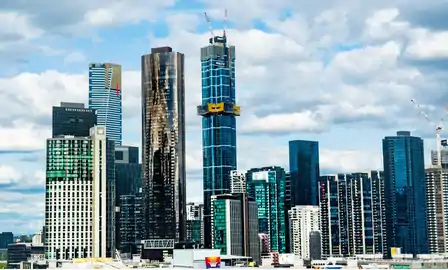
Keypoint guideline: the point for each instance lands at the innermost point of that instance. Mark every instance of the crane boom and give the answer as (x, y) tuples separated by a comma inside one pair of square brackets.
[(439, 128), (210, 27)]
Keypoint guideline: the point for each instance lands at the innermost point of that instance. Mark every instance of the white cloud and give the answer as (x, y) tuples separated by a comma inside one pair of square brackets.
[(15, 26), (75, 57), (426, 45), (290, 79)]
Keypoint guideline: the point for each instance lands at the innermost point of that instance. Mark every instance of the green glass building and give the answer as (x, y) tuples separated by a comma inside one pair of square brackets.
[(233, 218), (267, 186)]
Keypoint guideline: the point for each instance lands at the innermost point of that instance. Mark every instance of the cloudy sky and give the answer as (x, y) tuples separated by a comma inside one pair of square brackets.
[(342, 72)]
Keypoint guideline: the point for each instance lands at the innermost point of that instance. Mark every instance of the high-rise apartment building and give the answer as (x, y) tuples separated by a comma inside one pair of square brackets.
[(128, 181), (163, 141), (237, 182), (218, 110), (234, 217), (405, 193), (80, 194), (105, 96), (72, 119), (437, 204), (267, 186), (304, 170), (303, 220), (352, 214)]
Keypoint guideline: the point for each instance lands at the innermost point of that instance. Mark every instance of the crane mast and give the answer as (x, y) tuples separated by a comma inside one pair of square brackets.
[(439, 128)]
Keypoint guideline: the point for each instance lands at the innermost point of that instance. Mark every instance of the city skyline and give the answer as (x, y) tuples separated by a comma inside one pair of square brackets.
[(343, 149)]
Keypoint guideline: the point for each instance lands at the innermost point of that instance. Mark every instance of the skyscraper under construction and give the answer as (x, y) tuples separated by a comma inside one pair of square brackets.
[(218, 111)]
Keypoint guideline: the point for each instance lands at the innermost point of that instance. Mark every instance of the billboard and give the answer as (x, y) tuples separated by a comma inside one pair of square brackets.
[(212, 262)]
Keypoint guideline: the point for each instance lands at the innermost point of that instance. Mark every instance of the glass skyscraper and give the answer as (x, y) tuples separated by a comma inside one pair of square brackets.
[(268, 187), (304, 170), (105, 95), (405, 196), (163, 141), (218, 111)]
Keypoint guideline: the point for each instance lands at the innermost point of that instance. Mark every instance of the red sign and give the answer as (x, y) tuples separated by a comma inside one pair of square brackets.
[(212, 262)]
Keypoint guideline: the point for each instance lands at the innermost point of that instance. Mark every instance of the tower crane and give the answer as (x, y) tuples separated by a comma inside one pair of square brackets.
[(439, 127), (210, 27)]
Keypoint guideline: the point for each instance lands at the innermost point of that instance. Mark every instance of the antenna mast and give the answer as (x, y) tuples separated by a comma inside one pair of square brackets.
[(225, 24)]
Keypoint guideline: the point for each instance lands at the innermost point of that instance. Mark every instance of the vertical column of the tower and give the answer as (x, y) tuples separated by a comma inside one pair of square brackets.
[(218, 111)]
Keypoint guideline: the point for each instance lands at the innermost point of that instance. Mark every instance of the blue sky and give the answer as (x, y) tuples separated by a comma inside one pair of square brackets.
[(333, 71)]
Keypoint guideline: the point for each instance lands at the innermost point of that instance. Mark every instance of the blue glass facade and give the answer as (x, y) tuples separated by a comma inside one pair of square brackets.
[(304, 170), (105, 96), (218, 111), (405, 197), (268, 187)]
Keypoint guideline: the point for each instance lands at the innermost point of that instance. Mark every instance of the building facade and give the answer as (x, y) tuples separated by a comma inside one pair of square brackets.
[(218, 110), (437, 204), (80, 208), (267, 186), (163, 140), (131, 222), (128, 181), (105, 96), (195, 227), (352, 214), (405, 193), (72, 119), (237, 182), (233, 218), (303, 220), (6, 238), (304, 170)]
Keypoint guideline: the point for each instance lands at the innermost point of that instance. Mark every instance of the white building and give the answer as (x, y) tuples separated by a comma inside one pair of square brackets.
[(437, 205), (303, 219), (195, 211), (80, 196), (36, 240), (237, 182)]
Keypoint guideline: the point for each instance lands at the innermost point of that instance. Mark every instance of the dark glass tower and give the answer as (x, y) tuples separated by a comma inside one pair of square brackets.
[(304, 170), (163, 140), (218, 111), (73, 119), (405, 196), (128, 179)]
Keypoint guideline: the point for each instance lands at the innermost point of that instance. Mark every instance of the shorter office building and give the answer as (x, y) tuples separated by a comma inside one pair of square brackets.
[(195, 225), (131, 223), (73, 119), (80, 196), (23, 252), (303, 219), (128, 181), (6, 238), (234, 217)]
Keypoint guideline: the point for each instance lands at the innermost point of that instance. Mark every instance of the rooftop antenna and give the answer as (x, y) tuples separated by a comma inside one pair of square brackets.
[(210, 27), (225, 23)]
